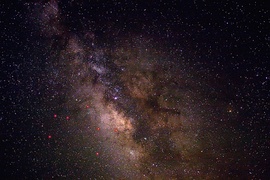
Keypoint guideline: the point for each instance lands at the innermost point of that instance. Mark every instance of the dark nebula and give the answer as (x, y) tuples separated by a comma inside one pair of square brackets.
[(129, 90)]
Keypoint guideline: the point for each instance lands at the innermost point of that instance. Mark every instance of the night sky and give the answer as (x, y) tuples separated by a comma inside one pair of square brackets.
[(135, 90)]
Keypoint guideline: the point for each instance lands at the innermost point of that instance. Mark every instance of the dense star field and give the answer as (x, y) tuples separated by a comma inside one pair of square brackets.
[(129, 90)]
